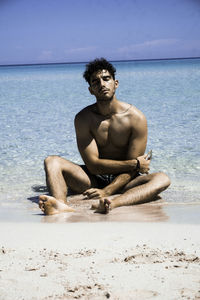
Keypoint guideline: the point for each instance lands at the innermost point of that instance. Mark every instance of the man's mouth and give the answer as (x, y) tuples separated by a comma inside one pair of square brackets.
[(104, 91)]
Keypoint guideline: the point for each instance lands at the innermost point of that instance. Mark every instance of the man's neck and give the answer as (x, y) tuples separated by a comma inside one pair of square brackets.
[(107, 108)]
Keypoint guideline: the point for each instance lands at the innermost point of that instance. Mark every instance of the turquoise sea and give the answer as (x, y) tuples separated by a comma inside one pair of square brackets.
[(38, 104)]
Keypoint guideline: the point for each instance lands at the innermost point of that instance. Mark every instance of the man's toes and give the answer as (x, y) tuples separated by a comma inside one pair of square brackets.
[(106, 208), (107, 205), (41, 205), (106, 201)]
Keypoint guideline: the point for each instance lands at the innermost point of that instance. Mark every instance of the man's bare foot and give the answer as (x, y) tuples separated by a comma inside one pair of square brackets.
[(104, 206), (51, 206)]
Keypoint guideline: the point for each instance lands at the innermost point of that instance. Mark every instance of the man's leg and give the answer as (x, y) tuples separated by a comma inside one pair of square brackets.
[(60, 174), (140, 190)]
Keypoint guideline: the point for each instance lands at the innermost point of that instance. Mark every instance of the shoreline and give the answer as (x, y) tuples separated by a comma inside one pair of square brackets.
[(160, 211)]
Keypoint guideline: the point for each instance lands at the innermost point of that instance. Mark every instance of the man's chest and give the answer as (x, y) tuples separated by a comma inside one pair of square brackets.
[(114, 132)]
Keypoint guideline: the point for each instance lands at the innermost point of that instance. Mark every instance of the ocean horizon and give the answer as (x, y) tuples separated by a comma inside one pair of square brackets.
[(85, 62)]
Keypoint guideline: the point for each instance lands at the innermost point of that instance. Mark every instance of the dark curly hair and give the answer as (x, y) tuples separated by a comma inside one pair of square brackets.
[(96, 65)]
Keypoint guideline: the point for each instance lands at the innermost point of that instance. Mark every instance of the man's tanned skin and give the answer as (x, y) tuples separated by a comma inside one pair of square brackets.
[(111, 138)]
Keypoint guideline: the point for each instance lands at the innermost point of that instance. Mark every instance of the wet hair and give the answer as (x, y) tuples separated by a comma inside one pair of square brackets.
[(96, 65)]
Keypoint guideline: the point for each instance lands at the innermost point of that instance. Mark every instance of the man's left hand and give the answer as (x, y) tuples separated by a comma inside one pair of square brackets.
[(95, 193)]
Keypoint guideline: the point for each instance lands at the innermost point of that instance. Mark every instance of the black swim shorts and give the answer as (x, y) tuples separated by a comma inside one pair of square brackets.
[(101, 180)]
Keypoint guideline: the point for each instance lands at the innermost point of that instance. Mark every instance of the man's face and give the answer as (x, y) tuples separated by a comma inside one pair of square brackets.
[(102, 85)]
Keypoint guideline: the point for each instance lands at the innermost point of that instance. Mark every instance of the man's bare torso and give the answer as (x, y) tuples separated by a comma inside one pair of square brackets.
[(112, 133)]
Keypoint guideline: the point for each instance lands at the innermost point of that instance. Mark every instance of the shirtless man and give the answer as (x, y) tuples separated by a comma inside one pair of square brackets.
[(111, 138)]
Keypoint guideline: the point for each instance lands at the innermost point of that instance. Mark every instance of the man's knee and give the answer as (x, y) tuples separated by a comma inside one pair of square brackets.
[(162, 181), (52, 161)]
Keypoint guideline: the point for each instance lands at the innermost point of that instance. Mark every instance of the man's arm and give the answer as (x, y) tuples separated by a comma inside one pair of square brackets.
[(136, 149)]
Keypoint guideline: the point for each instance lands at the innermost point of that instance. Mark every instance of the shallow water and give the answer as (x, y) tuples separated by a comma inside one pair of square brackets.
[(38, 105)]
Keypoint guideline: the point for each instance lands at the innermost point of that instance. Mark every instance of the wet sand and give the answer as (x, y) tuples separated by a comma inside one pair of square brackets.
[(161, 210)]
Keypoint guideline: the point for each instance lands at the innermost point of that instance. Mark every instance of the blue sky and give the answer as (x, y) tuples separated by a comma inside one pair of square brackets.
[(43, 31)]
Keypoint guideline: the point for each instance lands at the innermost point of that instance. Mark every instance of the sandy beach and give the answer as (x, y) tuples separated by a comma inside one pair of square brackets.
[(149, 257)]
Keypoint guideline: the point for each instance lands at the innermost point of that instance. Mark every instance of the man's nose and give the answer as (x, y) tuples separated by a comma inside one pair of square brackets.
[(101, 82)]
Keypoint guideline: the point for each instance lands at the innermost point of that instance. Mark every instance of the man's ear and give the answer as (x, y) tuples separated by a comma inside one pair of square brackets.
[(90, 90), (116, 84)]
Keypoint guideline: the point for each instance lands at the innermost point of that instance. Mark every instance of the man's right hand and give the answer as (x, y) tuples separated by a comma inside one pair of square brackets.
[(144, 164)]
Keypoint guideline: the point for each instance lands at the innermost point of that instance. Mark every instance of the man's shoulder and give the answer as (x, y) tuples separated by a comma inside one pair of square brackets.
[(134, 113), (86, 111), (138, 113), (84, 116), (138, 120)]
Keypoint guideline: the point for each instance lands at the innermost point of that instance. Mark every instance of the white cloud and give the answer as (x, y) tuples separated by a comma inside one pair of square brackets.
[(161, 48), (145, 45)]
